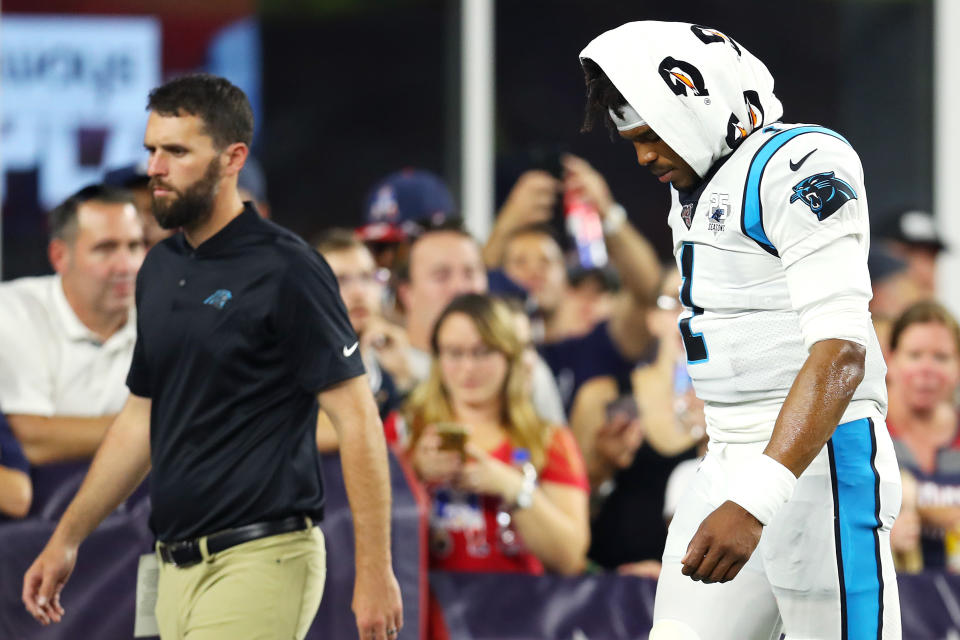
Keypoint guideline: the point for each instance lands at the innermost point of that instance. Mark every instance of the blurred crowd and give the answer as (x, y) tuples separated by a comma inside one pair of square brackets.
[(535, 383)]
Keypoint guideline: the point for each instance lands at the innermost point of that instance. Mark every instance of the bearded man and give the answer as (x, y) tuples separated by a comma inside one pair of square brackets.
[(240, 334)]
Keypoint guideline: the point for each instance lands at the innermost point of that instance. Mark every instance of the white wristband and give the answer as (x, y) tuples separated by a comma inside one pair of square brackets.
[(761, 487), (614, 218)]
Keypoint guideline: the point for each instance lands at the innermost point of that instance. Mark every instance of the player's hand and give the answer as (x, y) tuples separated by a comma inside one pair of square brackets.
[(433, 464), (722, 545), (377, 605), (44, 581), (581, 178)]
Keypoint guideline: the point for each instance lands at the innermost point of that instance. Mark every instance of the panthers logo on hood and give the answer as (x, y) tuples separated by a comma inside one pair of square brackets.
[(824, 193), (680, 76)]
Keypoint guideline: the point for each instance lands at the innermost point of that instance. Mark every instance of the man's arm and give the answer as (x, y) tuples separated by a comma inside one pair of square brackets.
[(16, 492), (633, 256), (813, 408), (119, 467), (57, 438), (363, 452), (530, 201), (816, 402), (326, 434)]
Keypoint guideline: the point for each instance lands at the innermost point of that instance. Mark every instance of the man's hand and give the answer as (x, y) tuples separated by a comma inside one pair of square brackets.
[(722, 545), (377, 605), (530, 200), (390, 343), (45, 579), (581, 178), (617, 441)]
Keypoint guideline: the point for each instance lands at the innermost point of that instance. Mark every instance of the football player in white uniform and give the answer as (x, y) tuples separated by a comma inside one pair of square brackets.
[(786, 527)]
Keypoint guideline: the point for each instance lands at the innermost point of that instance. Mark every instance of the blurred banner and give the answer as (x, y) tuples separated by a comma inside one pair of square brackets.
[(612, 607), (100, 596), (74, 96)]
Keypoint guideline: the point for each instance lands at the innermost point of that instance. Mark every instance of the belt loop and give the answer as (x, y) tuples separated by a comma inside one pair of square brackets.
[(309, 522), (204, 553)]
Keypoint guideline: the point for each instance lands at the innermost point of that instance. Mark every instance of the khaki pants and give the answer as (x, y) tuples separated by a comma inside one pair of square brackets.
[(266, 589)]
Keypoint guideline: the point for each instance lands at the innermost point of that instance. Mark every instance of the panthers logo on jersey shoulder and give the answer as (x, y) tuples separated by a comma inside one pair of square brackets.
[(824, 193)]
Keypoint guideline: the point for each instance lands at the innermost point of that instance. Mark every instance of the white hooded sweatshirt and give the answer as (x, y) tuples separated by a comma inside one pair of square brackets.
[(772, 243)]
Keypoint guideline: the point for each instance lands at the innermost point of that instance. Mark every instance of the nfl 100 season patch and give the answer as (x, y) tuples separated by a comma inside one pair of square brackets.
[(718, 212)]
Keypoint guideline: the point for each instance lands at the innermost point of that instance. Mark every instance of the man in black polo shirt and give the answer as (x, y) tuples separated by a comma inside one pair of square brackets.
[(240, 332)]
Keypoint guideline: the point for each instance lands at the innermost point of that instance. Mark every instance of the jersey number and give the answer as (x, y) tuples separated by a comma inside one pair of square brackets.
[(694, 343)]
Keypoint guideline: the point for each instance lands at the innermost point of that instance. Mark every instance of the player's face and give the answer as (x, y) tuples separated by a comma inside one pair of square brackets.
[(360, 286), (926, 366), (443, 265), (184, 170), (663, 162), (99, 268), (535, 262), (472, 372)]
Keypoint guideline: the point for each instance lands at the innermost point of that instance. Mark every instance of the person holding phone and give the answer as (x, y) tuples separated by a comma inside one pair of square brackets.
[(511, 494)]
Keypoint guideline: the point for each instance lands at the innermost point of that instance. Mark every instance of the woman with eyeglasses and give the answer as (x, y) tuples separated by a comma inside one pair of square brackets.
[(508, 491)]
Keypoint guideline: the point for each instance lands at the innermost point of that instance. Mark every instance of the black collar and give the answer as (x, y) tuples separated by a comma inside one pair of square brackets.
[(247, 221)]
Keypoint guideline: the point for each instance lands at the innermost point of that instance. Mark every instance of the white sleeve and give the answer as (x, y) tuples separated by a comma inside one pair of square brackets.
[(812, 194), (830, 290), (815, 214), (26, 382)]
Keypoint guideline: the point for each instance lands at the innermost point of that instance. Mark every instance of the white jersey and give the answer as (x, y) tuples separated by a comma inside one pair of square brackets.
[(753, 245)]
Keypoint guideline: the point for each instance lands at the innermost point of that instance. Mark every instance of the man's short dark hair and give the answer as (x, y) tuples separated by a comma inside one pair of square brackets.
[(223, 107), (62, 219), (338, 239), (537, 229), (402, 271), (601, 95)]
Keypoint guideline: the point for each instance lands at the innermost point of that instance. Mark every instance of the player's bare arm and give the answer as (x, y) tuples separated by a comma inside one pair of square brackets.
[(376, 597), (121, 464), (821, 392)]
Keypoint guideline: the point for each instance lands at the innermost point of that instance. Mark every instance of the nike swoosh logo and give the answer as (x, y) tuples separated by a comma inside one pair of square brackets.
[(348, 351), (794, 166)]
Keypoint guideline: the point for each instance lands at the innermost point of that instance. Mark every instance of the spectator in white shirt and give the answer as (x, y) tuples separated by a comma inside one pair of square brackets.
[(66, 340)]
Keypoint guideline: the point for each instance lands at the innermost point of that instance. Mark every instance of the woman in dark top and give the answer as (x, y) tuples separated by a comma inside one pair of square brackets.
[(922, 418)]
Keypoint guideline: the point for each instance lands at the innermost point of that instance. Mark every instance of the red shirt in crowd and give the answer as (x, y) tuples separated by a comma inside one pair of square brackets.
[(470, 532)]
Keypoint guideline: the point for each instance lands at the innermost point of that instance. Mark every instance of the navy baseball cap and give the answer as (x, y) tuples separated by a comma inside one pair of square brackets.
[(913, 227), (131, 175), (404, 204)]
